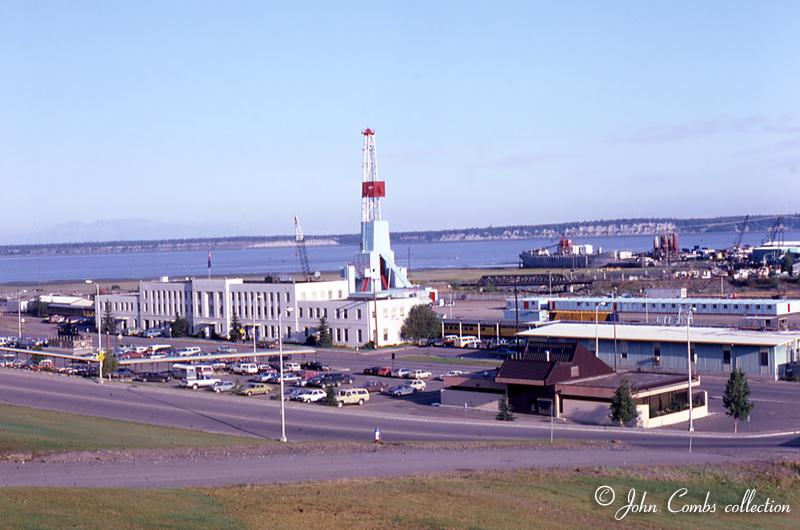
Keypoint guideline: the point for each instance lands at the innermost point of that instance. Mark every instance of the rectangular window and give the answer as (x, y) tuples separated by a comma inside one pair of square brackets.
[(346, 335), (358, 317), (764, 358), (325, 312), (345, 314), (358, 334), (726, 356), (300, 312)]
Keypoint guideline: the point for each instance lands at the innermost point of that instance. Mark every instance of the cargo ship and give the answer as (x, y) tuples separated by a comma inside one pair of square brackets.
[(566, 256)]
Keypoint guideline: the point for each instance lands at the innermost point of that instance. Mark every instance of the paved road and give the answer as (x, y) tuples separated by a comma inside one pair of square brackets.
[(290, 468), (260, 417)]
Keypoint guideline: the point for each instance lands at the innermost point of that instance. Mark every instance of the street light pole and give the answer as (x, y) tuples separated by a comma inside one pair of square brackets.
[(280, 356), (614, 308), (689, 365), (597, 328), (99, 328), (19, 313)]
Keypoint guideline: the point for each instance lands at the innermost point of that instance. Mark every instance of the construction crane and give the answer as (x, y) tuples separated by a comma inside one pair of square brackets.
[(775, 233), (738, 244), (302, 253)]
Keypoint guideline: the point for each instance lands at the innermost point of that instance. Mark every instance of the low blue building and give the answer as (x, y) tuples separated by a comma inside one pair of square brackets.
[(713, 350)]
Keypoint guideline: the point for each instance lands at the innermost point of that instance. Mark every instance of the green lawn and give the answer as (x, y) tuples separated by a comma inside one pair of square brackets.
[(450, 360), (524, 499), (25, 429)]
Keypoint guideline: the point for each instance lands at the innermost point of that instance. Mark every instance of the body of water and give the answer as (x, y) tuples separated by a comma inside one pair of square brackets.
[(279, 261)]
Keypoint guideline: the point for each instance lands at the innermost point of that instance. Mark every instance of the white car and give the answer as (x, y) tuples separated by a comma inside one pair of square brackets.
[(188, 352), (418, 374), (227, 349), (451, 373), (401, 372), (199, 382), (291, 367), (311, 395), (417, 384), (245, 369)]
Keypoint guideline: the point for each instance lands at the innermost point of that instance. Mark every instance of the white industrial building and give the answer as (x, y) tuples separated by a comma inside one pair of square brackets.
[(210, 305), (536, 309)]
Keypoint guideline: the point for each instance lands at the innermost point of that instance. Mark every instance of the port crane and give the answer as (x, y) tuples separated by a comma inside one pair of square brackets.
[(775, 233), (302, 253), (741, 230)]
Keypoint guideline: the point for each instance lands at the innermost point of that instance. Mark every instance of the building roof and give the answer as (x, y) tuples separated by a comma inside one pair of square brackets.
[(640, 380), (545, 363), (633, 332), (71, 301), (522, 369), (591, 301)]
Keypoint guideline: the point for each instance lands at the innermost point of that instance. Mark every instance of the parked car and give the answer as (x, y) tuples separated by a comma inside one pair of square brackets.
[(384, 371), (151, 333), (401, 390), (199, 382), (335, 379), (153, 377), (120, 373), (188, 351), (289, 378), (245, 369), (292, 393), (291, 367), (417, 384), (418, 374), (376, 386), (451, 373), (401, 372), (372, 370), (266, 377), (251, 389), (352, 396), (267, 343), (311, 395), (224, 386), (314, 365), (227, 349)]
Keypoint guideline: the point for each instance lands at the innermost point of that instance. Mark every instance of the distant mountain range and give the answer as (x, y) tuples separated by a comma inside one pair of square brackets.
[(578, 229)]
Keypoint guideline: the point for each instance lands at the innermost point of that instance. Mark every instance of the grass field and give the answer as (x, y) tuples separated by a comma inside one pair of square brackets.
[(524, 499), (25, 429), (449, 360)]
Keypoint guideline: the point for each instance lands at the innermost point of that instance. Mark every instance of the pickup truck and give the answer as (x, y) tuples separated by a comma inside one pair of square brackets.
[(200, 382)]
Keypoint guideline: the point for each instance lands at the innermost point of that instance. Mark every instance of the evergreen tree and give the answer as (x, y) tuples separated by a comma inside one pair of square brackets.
[(623, 406), (736, 398), (330, 396), (504, 412), (787, 263), (422, 322), (110, 364), (324, 338), (109, 325), (180, 326), (236, 332)]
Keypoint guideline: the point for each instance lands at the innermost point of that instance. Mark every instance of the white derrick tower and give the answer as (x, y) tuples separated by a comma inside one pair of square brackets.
[(375, 270)]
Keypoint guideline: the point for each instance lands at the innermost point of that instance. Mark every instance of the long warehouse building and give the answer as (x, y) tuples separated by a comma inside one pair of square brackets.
[(714, 350)]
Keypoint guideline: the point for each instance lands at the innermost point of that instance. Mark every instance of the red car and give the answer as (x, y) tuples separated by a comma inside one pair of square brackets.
[(384, 371)]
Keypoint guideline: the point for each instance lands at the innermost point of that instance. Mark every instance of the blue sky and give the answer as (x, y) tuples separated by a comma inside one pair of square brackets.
[(213, 118)]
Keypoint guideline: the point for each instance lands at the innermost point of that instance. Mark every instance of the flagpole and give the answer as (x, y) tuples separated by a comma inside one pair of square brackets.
[(209, 264)]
